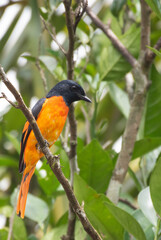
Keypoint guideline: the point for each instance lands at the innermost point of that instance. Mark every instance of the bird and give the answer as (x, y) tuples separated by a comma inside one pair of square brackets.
[(50, 113)]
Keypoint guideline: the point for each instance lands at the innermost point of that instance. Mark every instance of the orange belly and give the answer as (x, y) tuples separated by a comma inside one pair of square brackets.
[(51, 120)]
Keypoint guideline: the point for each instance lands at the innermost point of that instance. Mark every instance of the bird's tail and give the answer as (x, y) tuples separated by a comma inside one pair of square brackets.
[(24, 188)]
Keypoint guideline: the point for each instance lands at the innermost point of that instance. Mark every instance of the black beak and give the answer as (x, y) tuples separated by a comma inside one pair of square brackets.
[(85, 98)]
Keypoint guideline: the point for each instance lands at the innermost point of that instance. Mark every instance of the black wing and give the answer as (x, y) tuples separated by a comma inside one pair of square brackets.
[(35, 111)]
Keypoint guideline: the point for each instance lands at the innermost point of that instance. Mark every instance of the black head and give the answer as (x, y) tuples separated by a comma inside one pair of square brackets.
[(69, 90)]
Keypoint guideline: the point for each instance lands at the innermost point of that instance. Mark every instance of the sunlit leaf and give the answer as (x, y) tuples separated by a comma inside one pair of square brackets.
[(127, 221)]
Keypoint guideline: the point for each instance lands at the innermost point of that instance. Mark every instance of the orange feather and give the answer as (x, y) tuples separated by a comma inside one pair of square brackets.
[(51, 120)]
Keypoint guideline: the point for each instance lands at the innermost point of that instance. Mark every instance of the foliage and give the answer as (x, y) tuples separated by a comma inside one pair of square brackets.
[(102, 71)]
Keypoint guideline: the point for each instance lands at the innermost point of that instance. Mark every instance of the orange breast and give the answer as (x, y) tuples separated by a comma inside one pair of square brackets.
[(51, 120)]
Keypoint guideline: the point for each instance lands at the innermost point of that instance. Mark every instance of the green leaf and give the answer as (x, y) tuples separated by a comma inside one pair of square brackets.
[(94, 205), (116, 6), (84, 27), (19, 230), (155, 187), (145, 146), (155, 51), (120, 98), (36, 209), (8, 161), (14, 141), (156, 6), (49, 62), (47, 179), (113, 65), (146, 205), (145, 224), (135, 179), (127, 221), (95, 166), (153, 109)]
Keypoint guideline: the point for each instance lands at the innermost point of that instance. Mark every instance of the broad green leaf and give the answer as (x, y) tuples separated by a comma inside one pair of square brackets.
[(153, 107), (127, 221), (95, 166), (155, 187), (8, 161), (155, 6), (36, 209), (120, 98), (155, 51), (19, 230), (94, 205), (14, 141), (145, 146), (113, 65)]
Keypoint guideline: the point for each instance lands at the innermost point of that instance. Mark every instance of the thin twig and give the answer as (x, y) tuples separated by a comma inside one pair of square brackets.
[(53, 37), (42, 75), (82, 5), (69, 14), (110, 34), (11, 220), (12, 103)]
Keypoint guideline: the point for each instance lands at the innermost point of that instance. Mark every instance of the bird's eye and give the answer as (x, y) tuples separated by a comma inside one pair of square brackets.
[(73, 88)]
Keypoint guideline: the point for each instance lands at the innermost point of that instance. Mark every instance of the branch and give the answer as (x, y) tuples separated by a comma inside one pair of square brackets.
[(70, 23), (136, 110), (53, 161), (82, 5), (11, 220), (110, 34), (72, 121), (52, 36)]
